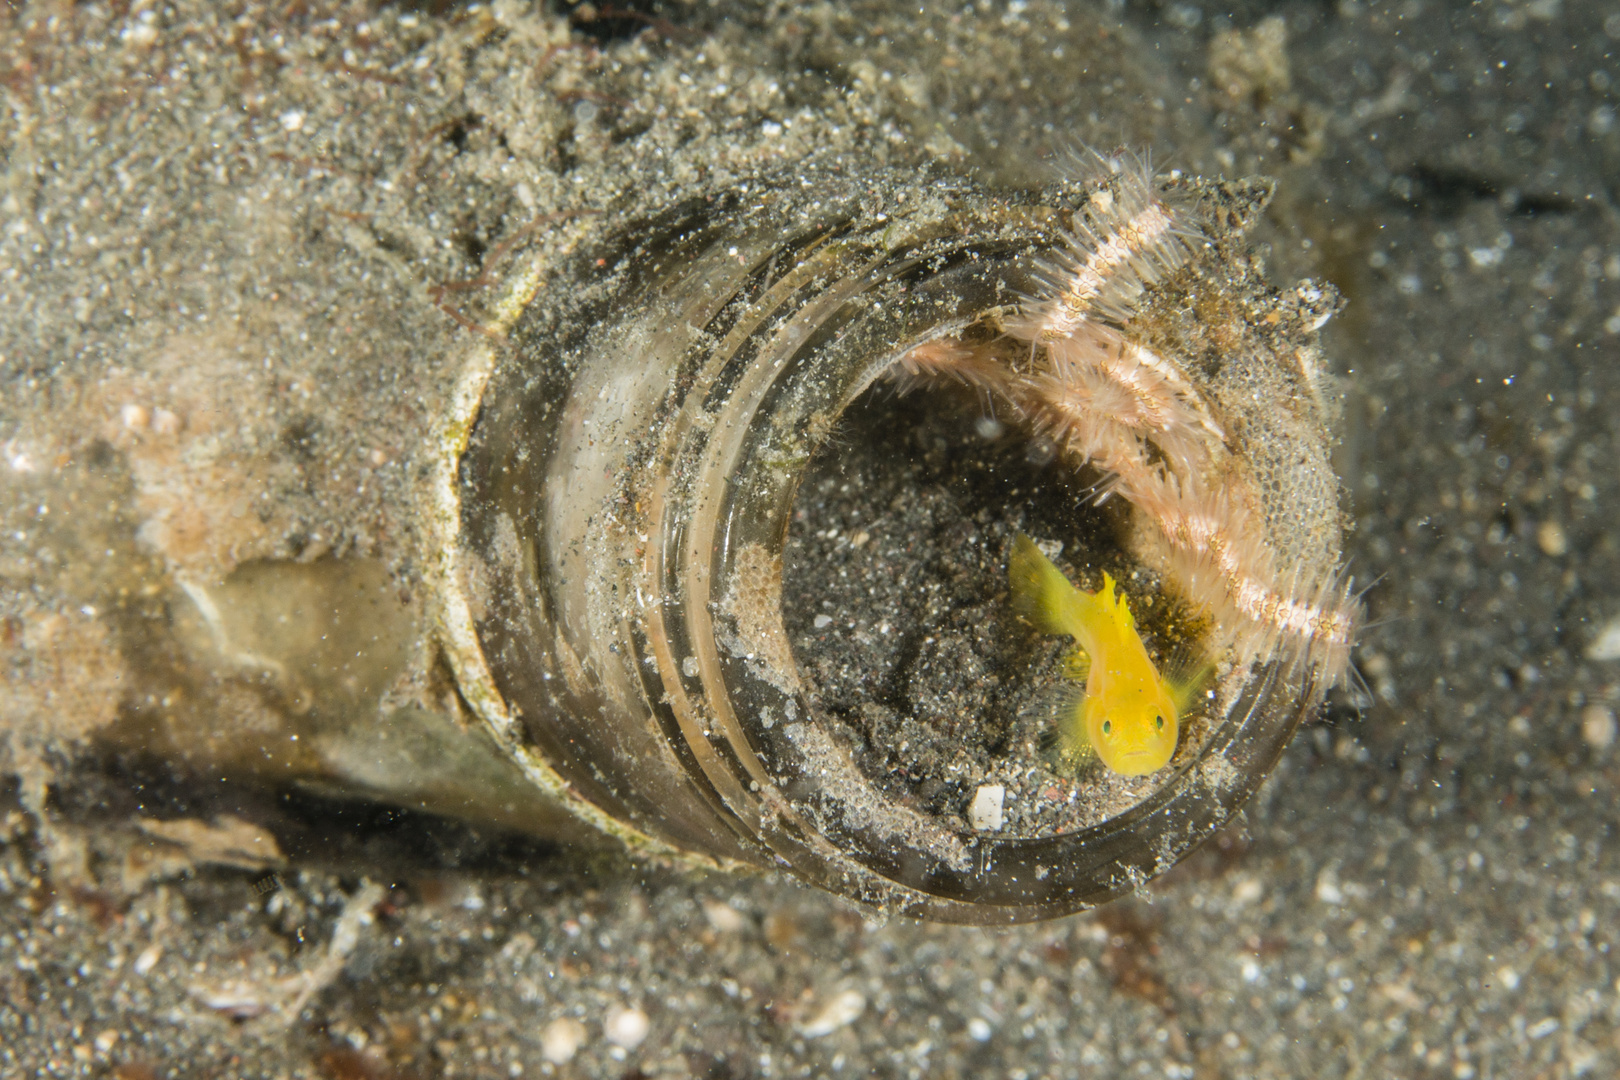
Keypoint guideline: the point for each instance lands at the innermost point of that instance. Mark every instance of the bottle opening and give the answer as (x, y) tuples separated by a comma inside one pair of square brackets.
[(737, 533), (897, 607)]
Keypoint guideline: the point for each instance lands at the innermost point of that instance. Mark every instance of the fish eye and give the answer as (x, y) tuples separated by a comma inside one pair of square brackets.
[(1108, 727), (1158, 722)]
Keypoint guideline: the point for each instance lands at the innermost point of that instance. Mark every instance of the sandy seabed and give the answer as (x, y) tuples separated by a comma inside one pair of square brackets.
[(220, 232)]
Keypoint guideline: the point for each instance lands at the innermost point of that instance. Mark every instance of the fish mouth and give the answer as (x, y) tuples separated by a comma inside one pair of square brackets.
[(1136, 763)]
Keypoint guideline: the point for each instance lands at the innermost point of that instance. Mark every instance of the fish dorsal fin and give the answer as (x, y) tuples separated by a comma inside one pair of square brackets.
[(1112, 598)]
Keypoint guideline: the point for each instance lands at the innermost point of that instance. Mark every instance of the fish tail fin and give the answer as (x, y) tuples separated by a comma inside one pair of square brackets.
[(1039, 589)]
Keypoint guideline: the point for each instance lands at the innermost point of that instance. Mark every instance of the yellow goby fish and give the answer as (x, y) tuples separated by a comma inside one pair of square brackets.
[(1129, 714)]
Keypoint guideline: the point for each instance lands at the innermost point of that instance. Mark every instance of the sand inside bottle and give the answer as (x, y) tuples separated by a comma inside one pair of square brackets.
[(896, 605)]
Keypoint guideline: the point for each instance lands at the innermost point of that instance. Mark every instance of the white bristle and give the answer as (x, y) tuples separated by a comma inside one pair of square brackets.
[(1125, 238), (1133, 414), (949, 359)]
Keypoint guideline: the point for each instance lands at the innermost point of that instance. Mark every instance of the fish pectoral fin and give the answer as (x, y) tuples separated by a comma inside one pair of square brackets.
[(1185, 678), (1064, 743), (1069, 757)]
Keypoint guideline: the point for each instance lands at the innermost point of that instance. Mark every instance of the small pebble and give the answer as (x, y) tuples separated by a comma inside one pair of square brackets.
[(722, 916), (1551, 539), (561, 1039), (821, 622), (148, 959), (839, 1012), (1597, 726), (782, 930), (985, 812), (1606, 646), (1327, 887), (626, 1027), (978, 1029), (141, 35)]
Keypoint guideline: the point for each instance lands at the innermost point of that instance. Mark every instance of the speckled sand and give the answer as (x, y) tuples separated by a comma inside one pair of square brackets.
[(250, 205)]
